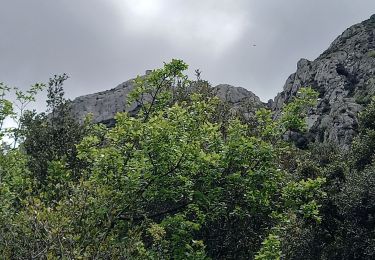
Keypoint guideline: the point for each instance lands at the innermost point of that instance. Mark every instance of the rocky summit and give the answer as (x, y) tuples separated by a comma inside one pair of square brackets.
[(343, 75), (104, 105)]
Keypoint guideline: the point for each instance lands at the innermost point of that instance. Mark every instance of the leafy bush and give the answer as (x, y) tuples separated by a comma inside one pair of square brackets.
[(175, 181)]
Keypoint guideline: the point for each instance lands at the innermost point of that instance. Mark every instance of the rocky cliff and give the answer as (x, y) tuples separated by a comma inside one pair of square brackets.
[(104, 105), (344, 76)]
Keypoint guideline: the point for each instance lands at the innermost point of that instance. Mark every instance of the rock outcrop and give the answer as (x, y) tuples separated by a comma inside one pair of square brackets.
[(344, 76), (240, 100), (104, 105), (236, 96)]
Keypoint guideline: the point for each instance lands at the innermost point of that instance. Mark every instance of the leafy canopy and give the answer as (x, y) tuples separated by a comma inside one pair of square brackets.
[(173, 181)]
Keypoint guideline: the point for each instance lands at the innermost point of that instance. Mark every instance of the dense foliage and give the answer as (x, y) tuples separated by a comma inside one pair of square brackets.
[(184, 178)]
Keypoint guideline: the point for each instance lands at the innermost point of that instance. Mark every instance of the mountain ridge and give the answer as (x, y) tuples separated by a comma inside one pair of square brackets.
[(343, 75)]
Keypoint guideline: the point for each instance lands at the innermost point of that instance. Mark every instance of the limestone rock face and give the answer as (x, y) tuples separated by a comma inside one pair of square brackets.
[(236, 95), (240, 100), (344, 76), (104, 105)]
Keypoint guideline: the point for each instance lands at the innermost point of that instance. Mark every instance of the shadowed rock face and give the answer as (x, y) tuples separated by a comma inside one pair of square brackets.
[(104, 105), (344, 77)]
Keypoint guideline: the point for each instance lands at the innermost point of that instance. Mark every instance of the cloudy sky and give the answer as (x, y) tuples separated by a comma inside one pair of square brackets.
[(254, 44)]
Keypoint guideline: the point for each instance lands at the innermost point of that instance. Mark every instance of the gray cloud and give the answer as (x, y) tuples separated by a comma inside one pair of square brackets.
[(101, 43)]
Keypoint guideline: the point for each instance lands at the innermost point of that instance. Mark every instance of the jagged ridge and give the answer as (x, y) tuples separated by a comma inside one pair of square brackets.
[(343, 75), (104, 105)]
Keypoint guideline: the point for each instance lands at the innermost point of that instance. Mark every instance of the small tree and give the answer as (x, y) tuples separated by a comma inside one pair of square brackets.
[(53, 136), (14, 111)]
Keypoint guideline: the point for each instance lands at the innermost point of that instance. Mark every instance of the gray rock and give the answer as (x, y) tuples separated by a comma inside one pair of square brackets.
[(105, 105), (237, 96), (344, 77), (240, 100)]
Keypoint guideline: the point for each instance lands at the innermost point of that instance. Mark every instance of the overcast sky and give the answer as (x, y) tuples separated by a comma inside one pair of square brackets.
[(101, 43)]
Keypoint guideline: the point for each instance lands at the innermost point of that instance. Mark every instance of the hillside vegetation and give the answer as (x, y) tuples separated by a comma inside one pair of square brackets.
[(184, 178)]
